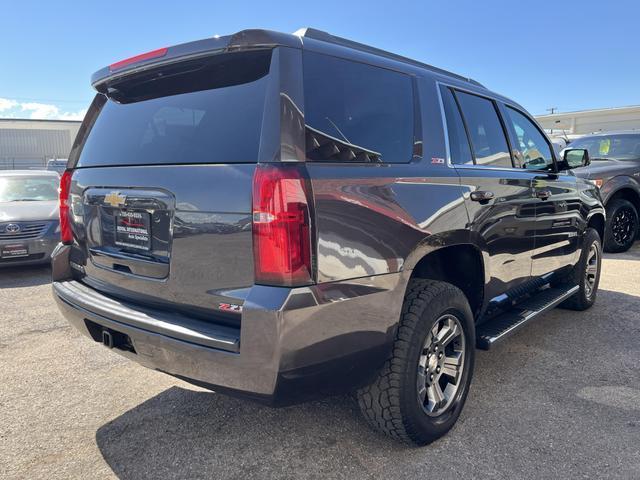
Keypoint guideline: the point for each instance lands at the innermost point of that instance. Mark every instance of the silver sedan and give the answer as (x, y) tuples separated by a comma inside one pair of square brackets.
[(29, 225)]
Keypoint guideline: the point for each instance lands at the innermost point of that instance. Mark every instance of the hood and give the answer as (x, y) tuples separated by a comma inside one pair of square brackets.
[(607, 168), (28, 211)]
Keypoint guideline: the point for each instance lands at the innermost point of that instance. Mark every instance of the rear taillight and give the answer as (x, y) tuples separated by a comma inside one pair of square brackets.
[(66, 235), (281, 226)]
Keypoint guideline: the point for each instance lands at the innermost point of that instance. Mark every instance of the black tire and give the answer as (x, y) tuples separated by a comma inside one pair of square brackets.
[(588, 292), (622, 226), (391, 404)]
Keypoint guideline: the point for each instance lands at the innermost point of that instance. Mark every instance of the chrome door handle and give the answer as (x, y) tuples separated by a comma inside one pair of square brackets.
[(481, 196)]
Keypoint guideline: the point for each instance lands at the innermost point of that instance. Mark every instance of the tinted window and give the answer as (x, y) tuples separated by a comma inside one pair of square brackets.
[(458, 141), (487, 136), (619, 147), (208, 113), (534, 151), (356, 112)]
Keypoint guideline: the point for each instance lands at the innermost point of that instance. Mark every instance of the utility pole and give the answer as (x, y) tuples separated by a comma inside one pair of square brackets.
[(551, 110)]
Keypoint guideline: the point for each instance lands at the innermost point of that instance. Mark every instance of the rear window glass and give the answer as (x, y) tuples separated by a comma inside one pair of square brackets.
[(356, 112), (487, 136), (198, 113), (458, 140)]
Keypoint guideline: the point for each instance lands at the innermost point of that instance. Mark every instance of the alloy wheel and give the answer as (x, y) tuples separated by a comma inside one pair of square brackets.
[(440, 365), (623, 226), (591, 271)]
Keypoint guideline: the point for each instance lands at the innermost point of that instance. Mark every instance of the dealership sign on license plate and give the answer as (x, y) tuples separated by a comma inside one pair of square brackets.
[(133, 230), (14, 251)]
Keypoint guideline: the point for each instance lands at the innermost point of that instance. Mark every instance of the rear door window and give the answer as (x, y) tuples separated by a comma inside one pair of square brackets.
[(459, 148), (201, 112), (488, 140), (356, 112)]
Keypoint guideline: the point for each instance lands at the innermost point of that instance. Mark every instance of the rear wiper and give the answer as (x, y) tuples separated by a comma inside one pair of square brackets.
[(26, 200)]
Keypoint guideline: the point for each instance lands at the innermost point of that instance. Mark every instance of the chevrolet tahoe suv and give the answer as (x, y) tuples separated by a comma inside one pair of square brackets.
[(284, 216)]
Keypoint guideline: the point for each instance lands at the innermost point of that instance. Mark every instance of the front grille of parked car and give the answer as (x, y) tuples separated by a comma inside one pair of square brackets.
[(25, 230)]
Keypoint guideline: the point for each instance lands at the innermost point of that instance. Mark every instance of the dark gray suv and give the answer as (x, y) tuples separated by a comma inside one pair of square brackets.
[(285, 216), (615, 169)]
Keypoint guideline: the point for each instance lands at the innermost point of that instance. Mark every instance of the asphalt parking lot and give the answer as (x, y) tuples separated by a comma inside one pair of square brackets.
[(559, 399)]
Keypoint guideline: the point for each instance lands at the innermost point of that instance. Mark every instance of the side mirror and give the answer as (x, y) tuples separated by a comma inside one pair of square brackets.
[(574, 158)]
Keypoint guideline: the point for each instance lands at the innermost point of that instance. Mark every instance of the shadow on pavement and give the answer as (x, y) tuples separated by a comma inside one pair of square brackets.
[(25, 276), (538, 373), (183, 433), (632, 254)]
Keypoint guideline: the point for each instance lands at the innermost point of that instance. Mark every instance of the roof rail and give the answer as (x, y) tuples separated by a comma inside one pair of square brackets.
[(329, 38)]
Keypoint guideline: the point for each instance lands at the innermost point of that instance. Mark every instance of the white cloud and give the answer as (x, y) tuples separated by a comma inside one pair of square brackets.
[(7, 104), (40, 110), (36, 110), (79, 115)]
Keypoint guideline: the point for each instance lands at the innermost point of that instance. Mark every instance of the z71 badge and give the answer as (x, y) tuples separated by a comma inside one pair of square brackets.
[(230, 307)]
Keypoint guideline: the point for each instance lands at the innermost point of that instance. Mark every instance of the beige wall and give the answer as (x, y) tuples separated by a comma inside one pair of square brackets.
[(30, 143), (589, 121)]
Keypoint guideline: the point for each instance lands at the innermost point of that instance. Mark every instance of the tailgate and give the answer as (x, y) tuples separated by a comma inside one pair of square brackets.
[(163, 235)]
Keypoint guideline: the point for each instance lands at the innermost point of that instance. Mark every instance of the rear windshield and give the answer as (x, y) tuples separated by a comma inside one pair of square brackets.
[(199, 112)]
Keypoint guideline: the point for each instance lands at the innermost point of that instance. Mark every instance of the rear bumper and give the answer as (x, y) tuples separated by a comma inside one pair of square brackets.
[(294, 344)]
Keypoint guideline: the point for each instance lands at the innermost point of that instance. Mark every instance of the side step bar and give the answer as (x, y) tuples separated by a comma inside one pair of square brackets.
[(499, 328)]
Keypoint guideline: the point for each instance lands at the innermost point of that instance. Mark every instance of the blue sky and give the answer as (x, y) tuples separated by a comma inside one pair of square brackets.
[(568, 54)]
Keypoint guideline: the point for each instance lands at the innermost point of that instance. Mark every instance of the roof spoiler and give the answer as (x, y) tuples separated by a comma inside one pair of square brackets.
[(243, 40)]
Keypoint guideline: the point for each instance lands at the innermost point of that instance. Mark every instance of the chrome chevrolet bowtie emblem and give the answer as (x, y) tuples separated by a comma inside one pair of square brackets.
[(12, 228), (115, 199)]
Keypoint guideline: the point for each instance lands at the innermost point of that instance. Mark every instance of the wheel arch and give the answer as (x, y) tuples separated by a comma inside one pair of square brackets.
[(597, 221), (460, 263), (623, 188)]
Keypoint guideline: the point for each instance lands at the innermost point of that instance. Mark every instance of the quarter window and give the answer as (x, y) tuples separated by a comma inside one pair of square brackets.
[(487, 136), (534, 151), (356, 112)]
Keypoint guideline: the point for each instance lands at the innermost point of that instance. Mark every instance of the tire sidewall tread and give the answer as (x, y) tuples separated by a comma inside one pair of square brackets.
[(580, 301), (390, 402)]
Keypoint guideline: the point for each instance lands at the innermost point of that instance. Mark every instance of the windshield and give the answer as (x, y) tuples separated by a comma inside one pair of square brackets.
[(610, 147), (28, 189)]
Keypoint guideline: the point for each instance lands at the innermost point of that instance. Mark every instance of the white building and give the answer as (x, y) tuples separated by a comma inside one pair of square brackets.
[(30, 143), (590, 121)]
